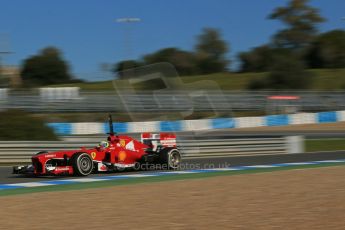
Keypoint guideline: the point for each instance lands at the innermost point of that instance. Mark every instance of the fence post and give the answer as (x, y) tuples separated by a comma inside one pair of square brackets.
[(295, 144)]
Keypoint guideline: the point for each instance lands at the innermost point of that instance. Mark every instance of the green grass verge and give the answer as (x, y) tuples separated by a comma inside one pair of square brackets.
[(101, 184), (324, 79), (324, 145)]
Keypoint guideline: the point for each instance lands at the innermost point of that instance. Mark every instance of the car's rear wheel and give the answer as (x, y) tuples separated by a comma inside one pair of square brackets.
[(82, 164), (171, 158)]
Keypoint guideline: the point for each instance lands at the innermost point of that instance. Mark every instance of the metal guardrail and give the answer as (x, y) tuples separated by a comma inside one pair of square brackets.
[(236, 147), (21, 152)]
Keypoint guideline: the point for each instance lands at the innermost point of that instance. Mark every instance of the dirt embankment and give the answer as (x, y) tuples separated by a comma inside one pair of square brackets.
[(296, 199)]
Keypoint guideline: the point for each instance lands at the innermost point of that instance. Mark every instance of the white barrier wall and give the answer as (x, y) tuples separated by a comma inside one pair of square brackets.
[(82, 128), (249, 122), (140, 127), (192, 125), (60, 93), (199, 125), (341, 115), (303, 118)]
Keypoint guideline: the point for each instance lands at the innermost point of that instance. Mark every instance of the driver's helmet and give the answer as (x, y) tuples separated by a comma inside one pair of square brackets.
[(104, 144)]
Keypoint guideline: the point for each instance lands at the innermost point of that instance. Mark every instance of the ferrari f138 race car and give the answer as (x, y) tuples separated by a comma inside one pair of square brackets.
[(117, 152)]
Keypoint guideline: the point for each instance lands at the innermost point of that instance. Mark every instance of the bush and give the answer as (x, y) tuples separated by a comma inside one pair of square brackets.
[(288, 72), (20, 125)]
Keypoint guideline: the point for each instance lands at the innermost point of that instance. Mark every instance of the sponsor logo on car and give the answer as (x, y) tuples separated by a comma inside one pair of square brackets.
[(61, 169), (122, 156)]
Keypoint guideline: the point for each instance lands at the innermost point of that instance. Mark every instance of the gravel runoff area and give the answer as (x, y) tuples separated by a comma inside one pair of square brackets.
[(293, 199)]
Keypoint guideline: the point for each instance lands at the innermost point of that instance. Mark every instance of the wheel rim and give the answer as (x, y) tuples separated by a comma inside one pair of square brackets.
[(175, 159), (85, 164)]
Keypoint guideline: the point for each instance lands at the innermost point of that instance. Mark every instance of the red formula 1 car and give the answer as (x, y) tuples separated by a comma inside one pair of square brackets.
[(118, 152)]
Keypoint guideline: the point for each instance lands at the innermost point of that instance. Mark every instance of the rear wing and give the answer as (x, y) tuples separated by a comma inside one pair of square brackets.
[(162, 139)]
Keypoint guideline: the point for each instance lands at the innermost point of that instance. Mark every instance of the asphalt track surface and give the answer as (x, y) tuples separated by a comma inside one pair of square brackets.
[(6, 176)]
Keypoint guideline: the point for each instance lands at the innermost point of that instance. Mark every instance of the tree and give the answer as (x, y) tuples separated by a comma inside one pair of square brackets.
[(45, 68), (300, 20), (122, 68), (288, 72), (328, 50), (211, 50), (258, 59), (184, 61)]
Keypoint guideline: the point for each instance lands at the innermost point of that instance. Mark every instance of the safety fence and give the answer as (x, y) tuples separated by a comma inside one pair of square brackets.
[(21, 152), (72, 99)]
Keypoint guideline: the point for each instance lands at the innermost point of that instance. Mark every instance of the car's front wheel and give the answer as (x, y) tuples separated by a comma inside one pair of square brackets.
[(82, 164)]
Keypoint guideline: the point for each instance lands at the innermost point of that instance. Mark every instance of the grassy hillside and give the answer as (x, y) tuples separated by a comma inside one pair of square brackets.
[(329, 79), (324, 79), (21, 125)]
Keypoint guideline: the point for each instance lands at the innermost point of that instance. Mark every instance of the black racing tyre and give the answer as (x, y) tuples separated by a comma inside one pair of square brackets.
[(82, 164), (137, 166), (171, 158)]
